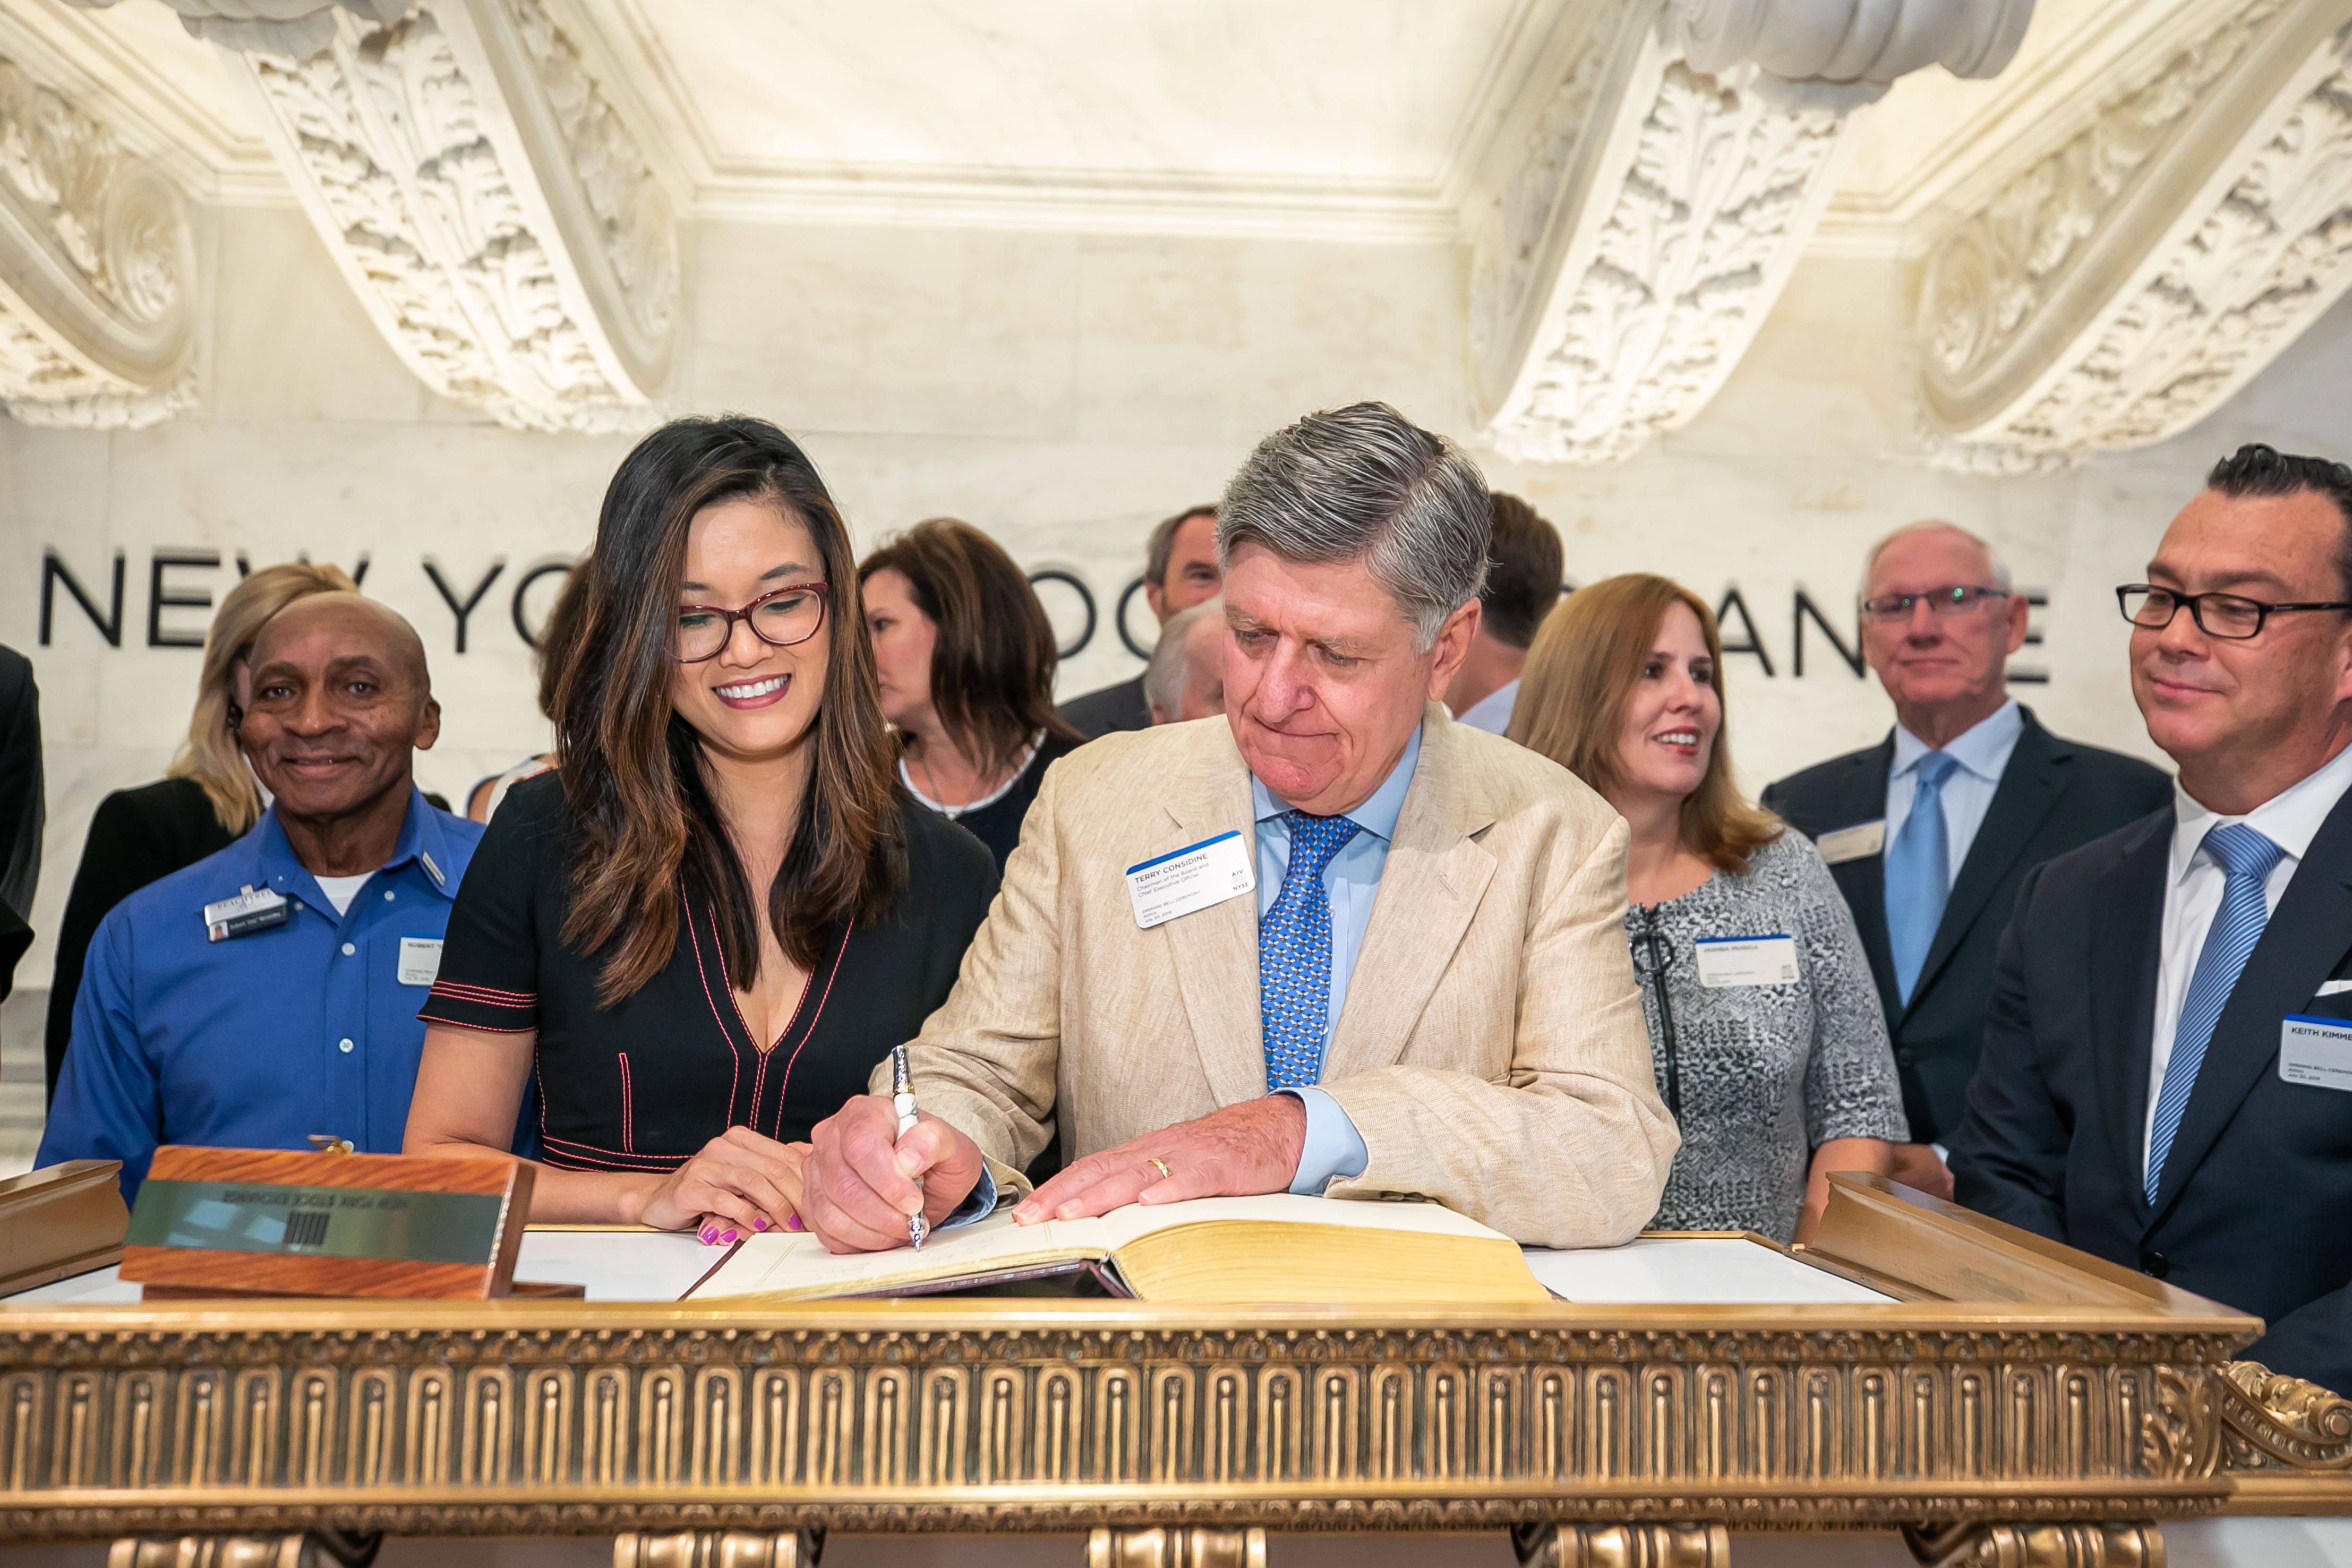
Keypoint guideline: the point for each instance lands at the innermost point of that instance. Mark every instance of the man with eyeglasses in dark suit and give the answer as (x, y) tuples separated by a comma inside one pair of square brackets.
[(2167, 1079), (1929, 833)]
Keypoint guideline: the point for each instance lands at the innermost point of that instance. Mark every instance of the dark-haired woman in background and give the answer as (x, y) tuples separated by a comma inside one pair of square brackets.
[(966, 659), (1765, 1028), (721, 913)]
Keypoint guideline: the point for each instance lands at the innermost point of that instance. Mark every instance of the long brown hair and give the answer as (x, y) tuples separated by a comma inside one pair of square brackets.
[(210, 755), (1579, 680), (641, 812), (992, 661)]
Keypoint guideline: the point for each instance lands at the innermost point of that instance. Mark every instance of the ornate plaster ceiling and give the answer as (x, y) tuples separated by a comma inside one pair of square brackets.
[(1335, 119), (504, 183)]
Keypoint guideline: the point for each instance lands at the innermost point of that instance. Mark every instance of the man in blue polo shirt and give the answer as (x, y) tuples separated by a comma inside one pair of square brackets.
[(269, 994)]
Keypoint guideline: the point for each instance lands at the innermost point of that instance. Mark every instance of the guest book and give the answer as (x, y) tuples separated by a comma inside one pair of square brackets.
[(1279, 1248)]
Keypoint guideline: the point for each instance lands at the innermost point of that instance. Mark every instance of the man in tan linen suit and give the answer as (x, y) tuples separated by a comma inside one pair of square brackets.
[(1488, 1050)]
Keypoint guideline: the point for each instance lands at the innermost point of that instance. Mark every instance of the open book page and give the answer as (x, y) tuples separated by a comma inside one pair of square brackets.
[(796, 1263)]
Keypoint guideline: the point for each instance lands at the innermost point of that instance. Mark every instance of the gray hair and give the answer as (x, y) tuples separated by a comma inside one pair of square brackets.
[(1364, 483), (1163, 678), (1995, 567)]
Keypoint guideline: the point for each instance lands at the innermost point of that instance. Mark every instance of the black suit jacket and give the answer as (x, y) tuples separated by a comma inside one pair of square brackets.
[(136, 836), (2251, 1208), (22, 807), (1122, 706), (2054, 796)]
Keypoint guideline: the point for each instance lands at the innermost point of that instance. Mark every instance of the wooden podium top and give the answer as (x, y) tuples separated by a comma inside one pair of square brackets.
[(1968, 1372)]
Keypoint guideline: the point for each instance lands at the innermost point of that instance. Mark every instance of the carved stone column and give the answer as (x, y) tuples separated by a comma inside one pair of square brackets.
[(2121, 288), (1168, 1547), (98, 271), (2036, 1545), (332, 1549), (712, 1549), (1630, 242), (487, 205)]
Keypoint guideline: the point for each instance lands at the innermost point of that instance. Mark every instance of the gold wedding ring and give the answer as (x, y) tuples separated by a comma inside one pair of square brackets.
[(1161, 1167)]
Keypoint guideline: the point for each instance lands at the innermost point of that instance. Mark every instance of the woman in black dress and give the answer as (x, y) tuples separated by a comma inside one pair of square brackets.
[(966, 658), (719, 913)]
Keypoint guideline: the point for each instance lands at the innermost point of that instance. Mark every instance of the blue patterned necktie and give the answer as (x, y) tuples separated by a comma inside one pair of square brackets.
[(1294, 953), (2246, 859), (1918, 873)]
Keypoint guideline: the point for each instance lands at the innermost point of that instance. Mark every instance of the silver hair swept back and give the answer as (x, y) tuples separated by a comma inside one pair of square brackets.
[(1365, 483)]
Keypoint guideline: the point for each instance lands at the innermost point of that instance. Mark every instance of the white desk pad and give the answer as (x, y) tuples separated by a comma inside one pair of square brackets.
[(1692, 1271), (643, 1266)]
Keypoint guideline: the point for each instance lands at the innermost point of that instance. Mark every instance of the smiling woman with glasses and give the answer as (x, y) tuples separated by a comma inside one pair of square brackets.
[(717, 916)]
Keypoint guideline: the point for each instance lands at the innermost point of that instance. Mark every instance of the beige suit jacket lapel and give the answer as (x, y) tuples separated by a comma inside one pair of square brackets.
[(1429, 888), (1216, 949)]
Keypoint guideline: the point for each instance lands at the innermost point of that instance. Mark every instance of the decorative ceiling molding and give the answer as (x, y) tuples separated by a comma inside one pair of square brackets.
[(1622, 266), (295, 28), (489, 206), (98, 271), (2122, 288)]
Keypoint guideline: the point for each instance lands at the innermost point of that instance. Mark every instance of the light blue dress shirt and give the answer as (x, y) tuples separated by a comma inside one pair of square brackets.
[(1982, 752), (1333, 1146), (1491, 712)]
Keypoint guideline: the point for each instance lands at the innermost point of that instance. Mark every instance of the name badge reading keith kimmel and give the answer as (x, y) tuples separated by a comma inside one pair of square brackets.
[(1193, 877), (1745, 961), (2317, 1051)]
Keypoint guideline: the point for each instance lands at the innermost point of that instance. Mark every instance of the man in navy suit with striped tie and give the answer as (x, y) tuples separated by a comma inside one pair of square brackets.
[(2166, 1077)]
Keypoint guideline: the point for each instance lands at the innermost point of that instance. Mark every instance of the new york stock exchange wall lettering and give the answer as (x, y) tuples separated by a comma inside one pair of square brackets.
[(179, 596)]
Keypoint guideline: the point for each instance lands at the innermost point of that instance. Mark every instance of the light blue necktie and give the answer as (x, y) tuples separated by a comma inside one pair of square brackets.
[(1918, 873), (1294, 953), (2246, 859)]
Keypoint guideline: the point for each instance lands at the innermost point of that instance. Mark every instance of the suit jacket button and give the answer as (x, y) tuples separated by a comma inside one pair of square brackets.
[(2155, 1264)]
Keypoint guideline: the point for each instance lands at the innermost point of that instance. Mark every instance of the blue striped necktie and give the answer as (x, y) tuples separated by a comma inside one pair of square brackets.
[(2246, 859), (1294, 953)]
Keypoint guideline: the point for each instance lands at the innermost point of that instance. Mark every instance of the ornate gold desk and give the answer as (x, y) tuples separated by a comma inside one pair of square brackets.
[(2019, 1404)]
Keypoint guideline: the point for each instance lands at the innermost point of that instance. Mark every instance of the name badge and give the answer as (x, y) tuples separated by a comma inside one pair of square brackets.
[(1195, 877), (251, 911), (1747, 961), (2317, 1052), (1857, 843), (420, 960)]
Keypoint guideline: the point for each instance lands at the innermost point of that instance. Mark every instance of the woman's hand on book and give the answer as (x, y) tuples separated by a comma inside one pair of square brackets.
[(739, 1182), (1241, 1151), (861, 1181)]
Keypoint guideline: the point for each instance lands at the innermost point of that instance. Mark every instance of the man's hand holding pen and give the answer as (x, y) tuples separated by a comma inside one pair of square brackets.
[(862, 1181)]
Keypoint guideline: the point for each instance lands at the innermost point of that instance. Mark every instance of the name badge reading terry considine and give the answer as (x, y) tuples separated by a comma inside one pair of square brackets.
[(251, 911), (2317, 1051), (1193, 877), (1857, 843), (1745, 961)]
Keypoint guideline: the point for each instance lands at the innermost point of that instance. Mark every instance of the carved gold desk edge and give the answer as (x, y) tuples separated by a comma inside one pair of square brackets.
[(570, 1418)]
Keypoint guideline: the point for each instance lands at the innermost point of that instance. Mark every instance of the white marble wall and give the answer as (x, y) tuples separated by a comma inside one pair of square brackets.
[(1063, 390)]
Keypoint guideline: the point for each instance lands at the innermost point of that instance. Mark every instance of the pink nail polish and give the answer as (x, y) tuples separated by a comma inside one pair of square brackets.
[(729, 1238), (760, 1223), (794, 1224), (709, 1234)]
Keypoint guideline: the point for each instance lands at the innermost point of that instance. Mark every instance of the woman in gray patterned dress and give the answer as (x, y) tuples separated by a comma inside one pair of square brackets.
[(1765, 1026)]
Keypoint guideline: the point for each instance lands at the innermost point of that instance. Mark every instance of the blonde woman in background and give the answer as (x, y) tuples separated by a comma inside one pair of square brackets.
[(1765, 1029), (206, 799)]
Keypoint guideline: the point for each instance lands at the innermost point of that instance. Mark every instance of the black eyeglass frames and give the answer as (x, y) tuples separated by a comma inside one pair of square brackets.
[(2231, 617)]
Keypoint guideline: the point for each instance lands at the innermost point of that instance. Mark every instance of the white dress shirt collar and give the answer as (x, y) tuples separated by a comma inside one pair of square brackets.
[(1982, 748), (2290, 818)]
